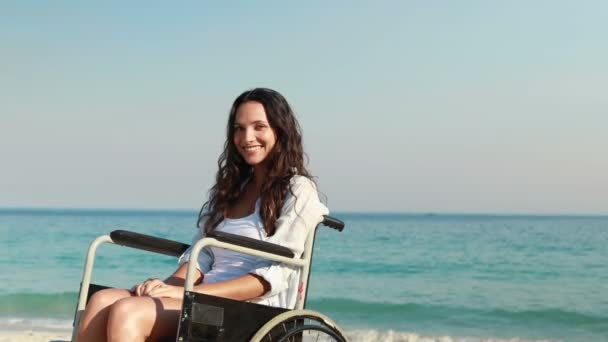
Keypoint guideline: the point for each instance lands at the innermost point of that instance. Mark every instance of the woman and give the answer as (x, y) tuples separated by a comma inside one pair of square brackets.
[(262, 191)]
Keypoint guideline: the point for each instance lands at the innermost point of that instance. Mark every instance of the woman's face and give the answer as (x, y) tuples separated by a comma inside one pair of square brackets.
[(253, 136)]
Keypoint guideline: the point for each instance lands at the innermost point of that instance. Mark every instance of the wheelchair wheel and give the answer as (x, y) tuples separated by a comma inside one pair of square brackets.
[(299, 326)]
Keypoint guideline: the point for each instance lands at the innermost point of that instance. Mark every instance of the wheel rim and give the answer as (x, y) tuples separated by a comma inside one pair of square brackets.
[(307, 333), (303, 329)]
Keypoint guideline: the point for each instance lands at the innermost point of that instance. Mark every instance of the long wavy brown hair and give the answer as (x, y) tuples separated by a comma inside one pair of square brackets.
[(286, 160)]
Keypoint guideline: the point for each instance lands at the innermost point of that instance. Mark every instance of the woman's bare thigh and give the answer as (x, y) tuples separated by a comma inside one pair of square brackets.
[(157, 318), (93, 323)]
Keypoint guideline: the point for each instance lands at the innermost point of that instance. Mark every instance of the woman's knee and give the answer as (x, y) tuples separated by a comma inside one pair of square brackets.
[(106, 297), (128, 316), (125, 309), (138, 318), (93, 324)]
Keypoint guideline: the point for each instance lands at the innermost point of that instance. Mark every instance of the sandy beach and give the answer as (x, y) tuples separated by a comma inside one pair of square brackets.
[(362, 336), (35, 336), (47, 336)]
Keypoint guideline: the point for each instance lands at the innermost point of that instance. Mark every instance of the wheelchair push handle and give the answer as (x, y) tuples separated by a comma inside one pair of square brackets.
[(333, 222)]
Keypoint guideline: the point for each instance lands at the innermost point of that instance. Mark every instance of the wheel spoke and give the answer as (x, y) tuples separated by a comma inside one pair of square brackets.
[(307, 327)]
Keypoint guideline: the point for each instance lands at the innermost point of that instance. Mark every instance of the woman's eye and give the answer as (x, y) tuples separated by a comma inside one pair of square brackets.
[(260, 127)]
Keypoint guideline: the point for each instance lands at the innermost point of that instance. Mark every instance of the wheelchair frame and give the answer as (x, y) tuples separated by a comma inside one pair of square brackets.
[(202, 316)]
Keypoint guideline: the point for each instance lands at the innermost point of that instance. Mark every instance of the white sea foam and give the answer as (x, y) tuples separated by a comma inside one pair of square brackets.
[(35, 324), (354, 335), (399, 336)]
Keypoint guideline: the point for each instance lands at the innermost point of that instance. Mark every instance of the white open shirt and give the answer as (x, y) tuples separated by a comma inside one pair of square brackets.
[(300, 214)]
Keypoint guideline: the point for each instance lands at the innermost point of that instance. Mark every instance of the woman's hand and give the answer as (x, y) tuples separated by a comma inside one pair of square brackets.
[(167, 291), (144, 288)]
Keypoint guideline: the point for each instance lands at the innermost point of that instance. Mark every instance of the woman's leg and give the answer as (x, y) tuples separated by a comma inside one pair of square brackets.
[(143, 318), (95, 317)]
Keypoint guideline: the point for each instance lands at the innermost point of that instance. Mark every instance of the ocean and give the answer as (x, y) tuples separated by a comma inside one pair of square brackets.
[(385, 277)]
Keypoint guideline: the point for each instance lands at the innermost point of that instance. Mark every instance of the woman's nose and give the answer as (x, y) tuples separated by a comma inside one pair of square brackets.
[(249, 135)]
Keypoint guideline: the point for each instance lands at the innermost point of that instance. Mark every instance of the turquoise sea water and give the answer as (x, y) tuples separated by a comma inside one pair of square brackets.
[(468, 277)]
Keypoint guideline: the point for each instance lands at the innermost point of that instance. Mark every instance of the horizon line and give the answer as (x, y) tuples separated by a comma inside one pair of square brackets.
[(8, 209)]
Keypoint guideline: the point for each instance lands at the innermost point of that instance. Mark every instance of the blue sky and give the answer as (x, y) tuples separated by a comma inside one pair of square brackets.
[(407, 106)]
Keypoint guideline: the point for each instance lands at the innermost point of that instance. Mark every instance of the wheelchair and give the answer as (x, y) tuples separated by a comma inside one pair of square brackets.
[(209, 318)]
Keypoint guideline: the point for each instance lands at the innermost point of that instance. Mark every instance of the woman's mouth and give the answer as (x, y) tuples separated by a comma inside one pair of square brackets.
[(251, 149)]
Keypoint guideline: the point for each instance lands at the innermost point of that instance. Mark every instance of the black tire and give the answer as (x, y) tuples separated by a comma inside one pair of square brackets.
[(300, 333), (300, 326)]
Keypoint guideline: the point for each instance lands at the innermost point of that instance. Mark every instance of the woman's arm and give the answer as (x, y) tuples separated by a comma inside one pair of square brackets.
[(177, 279), (245, 287), (301, 213), (242, 288), (205, 257)]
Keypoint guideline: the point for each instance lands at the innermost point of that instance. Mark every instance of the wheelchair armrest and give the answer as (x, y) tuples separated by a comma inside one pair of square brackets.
[(333, 222), (174, 248), (251, 243), (148, 243), (266, 246)]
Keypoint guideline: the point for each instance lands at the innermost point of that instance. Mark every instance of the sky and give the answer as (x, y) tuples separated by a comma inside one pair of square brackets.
[(405, 106)]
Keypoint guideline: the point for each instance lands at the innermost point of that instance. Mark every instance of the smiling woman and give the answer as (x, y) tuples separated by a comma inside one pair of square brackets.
[(261, 187), (263, 145)]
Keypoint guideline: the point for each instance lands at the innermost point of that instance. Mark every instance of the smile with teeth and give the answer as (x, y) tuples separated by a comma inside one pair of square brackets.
[(251, 149)]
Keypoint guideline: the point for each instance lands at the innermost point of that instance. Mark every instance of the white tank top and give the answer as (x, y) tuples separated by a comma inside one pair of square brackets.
[(229, 264)]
